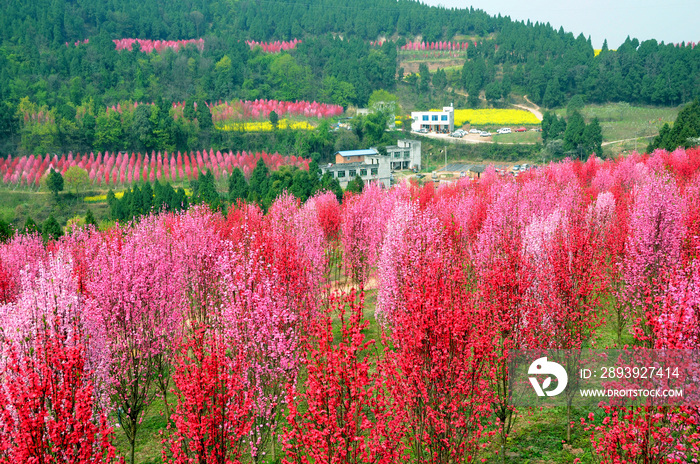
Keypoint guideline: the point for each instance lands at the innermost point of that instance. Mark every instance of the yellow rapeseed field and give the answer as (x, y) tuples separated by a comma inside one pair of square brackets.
[(495, 117), (97, 198), (265, 126)]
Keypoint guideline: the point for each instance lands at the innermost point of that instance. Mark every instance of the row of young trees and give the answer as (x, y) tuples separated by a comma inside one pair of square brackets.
[(146, 200), (112, 169), (143, 198), (239, 323)]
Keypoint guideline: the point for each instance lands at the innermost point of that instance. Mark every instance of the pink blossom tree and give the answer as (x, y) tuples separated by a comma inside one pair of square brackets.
[(135, 303), (47, 397), (652, 251)]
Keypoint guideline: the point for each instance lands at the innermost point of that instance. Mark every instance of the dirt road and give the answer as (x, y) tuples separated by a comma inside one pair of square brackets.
[(627, 140), (536, 110), (469, 138)]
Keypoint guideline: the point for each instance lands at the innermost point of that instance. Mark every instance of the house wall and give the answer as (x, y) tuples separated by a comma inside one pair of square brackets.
[(415, 148), (380, 163), (349, 159), (436, 120)]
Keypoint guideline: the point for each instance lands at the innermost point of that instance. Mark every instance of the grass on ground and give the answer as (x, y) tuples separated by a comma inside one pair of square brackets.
[(148, 440), (17, 205), (518, 137), (620, 121)]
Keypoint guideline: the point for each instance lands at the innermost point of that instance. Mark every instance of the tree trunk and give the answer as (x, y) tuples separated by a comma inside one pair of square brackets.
[(568, 421)]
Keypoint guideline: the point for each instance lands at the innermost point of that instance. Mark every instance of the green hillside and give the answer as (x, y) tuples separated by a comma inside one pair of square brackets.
[(60, 70)]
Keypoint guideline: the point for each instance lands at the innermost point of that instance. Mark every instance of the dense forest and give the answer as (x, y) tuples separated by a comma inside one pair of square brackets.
[(60, 69)]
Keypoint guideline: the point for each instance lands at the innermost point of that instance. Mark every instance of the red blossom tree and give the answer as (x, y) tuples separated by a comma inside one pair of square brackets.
[(570, 282), (438, 370), (343, 414), (47, 411), (213, 415), (645, 434), (505, 276)]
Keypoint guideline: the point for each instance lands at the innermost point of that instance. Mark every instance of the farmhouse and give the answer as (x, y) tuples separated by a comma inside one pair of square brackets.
[(434, 121), (406, 154), (353, 156), (380, 172), (371, 165)]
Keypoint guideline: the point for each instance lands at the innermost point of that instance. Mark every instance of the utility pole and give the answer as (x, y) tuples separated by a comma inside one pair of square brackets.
[(445, 158)]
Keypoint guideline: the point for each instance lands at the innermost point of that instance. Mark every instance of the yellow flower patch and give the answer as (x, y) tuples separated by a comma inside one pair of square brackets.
[(98, 198), (495, 117), (264, 126)]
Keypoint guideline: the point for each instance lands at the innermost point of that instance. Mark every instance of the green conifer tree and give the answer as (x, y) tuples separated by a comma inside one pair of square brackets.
[(51, 229), (237, 186), (90, 219)]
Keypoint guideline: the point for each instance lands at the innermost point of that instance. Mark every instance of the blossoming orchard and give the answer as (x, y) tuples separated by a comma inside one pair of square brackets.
[(148, 45), (261, 109), (426, 46), (373, 330), (119, 169), (274, 47), (253, 116)]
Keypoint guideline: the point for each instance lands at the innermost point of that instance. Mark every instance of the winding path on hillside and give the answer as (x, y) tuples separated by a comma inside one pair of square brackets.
[(628, 140), (536, 110)]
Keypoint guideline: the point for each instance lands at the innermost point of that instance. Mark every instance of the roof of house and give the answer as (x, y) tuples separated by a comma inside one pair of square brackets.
[(344, 166), (457, 167), (348, 153)]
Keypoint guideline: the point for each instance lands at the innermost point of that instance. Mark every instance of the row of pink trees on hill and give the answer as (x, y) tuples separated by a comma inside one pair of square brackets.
[(415, 46), (148, 45), (424, 46), (464, 273), (274, 47), (120, 109), (110, 169), (261, 109), (78, 42)]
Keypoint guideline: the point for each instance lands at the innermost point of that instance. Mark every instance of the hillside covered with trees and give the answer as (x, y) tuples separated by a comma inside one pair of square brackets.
[(60, 69)]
